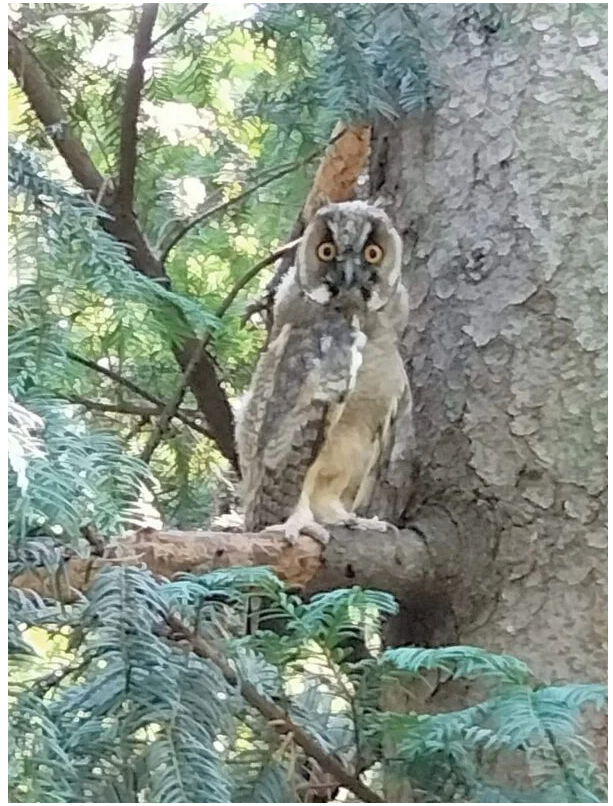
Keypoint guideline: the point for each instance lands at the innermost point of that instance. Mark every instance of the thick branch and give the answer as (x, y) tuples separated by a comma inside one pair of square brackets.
[(275, 715), (400, 563), (173, 405), (131, 106), (48, 108), (430, 567)]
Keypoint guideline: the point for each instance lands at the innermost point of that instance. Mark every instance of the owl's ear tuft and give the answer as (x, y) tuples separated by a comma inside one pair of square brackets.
[(313, 204)]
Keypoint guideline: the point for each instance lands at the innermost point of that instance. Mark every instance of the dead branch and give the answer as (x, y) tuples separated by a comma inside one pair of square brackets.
[(400, 564), (345, 159), (167, 553), (429, 566)]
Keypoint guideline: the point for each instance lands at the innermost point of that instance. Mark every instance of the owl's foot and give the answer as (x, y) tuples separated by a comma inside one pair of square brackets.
[(295, 526), (369, 524), (314, 530)]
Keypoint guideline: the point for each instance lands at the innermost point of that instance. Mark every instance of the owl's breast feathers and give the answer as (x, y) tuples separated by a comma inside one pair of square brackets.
[(298, 392)]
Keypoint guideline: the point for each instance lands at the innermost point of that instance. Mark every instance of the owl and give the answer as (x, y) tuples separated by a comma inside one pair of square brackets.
[(314, 425)]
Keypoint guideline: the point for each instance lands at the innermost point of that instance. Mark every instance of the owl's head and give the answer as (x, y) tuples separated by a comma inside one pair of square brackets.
[(350, 255)]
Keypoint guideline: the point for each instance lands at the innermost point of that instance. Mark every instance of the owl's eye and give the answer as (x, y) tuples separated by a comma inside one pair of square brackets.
[(326, 251), (373, 253)]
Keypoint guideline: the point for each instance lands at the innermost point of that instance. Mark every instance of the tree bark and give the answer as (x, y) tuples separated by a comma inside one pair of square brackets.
[(500, 195), (403, 566)]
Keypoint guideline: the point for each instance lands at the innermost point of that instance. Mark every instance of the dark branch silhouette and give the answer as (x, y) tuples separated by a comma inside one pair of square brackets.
[(131, 106), (219, 208), (160, 404)]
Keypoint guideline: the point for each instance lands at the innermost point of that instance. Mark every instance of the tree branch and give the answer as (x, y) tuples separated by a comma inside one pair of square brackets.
[(173, 404), (207, 214), (133, 387), (430, 567), (178, 24), (401, 564), (122, 225), (131, 106), (111, 408), (276, 716), (33, 81), (130, 409)]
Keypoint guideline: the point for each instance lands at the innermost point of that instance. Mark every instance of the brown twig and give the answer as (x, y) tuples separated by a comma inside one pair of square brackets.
[(111, 408), (138, 390), (91, 534), (173, 404), (132, 409), (266, 301), (131, 106), (275, 715), (178, 24), (49, 681)]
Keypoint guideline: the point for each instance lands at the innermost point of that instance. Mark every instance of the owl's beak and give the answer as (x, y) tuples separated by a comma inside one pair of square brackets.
[(350, 273)]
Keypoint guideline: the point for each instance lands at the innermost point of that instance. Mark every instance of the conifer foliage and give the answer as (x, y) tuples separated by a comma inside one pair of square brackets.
[(148, 690)]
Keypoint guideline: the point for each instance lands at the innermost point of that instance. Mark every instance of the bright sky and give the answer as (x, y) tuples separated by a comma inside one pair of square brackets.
[(119, 48)]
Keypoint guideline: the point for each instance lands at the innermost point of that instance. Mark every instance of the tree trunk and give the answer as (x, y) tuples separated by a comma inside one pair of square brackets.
[(500, 195)]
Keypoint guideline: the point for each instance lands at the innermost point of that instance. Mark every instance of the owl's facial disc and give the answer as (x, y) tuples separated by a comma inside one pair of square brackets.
[(350, 256)]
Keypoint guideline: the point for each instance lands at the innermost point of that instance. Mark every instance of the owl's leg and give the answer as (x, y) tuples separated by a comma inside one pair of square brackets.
[(332, 512), (329, 505), (326, 497)]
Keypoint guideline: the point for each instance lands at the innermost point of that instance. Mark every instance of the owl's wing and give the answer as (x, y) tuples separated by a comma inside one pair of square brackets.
[(382, 445), (298, 391)]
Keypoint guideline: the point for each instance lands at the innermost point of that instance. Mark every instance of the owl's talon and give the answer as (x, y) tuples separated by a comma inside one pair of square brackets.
[(317, 532), (369, 524), (292, 531)]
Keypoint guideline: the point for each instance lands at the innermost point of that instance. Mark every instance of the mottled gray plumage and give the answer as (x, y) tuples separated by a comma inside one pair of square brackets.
[(325, 392)]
